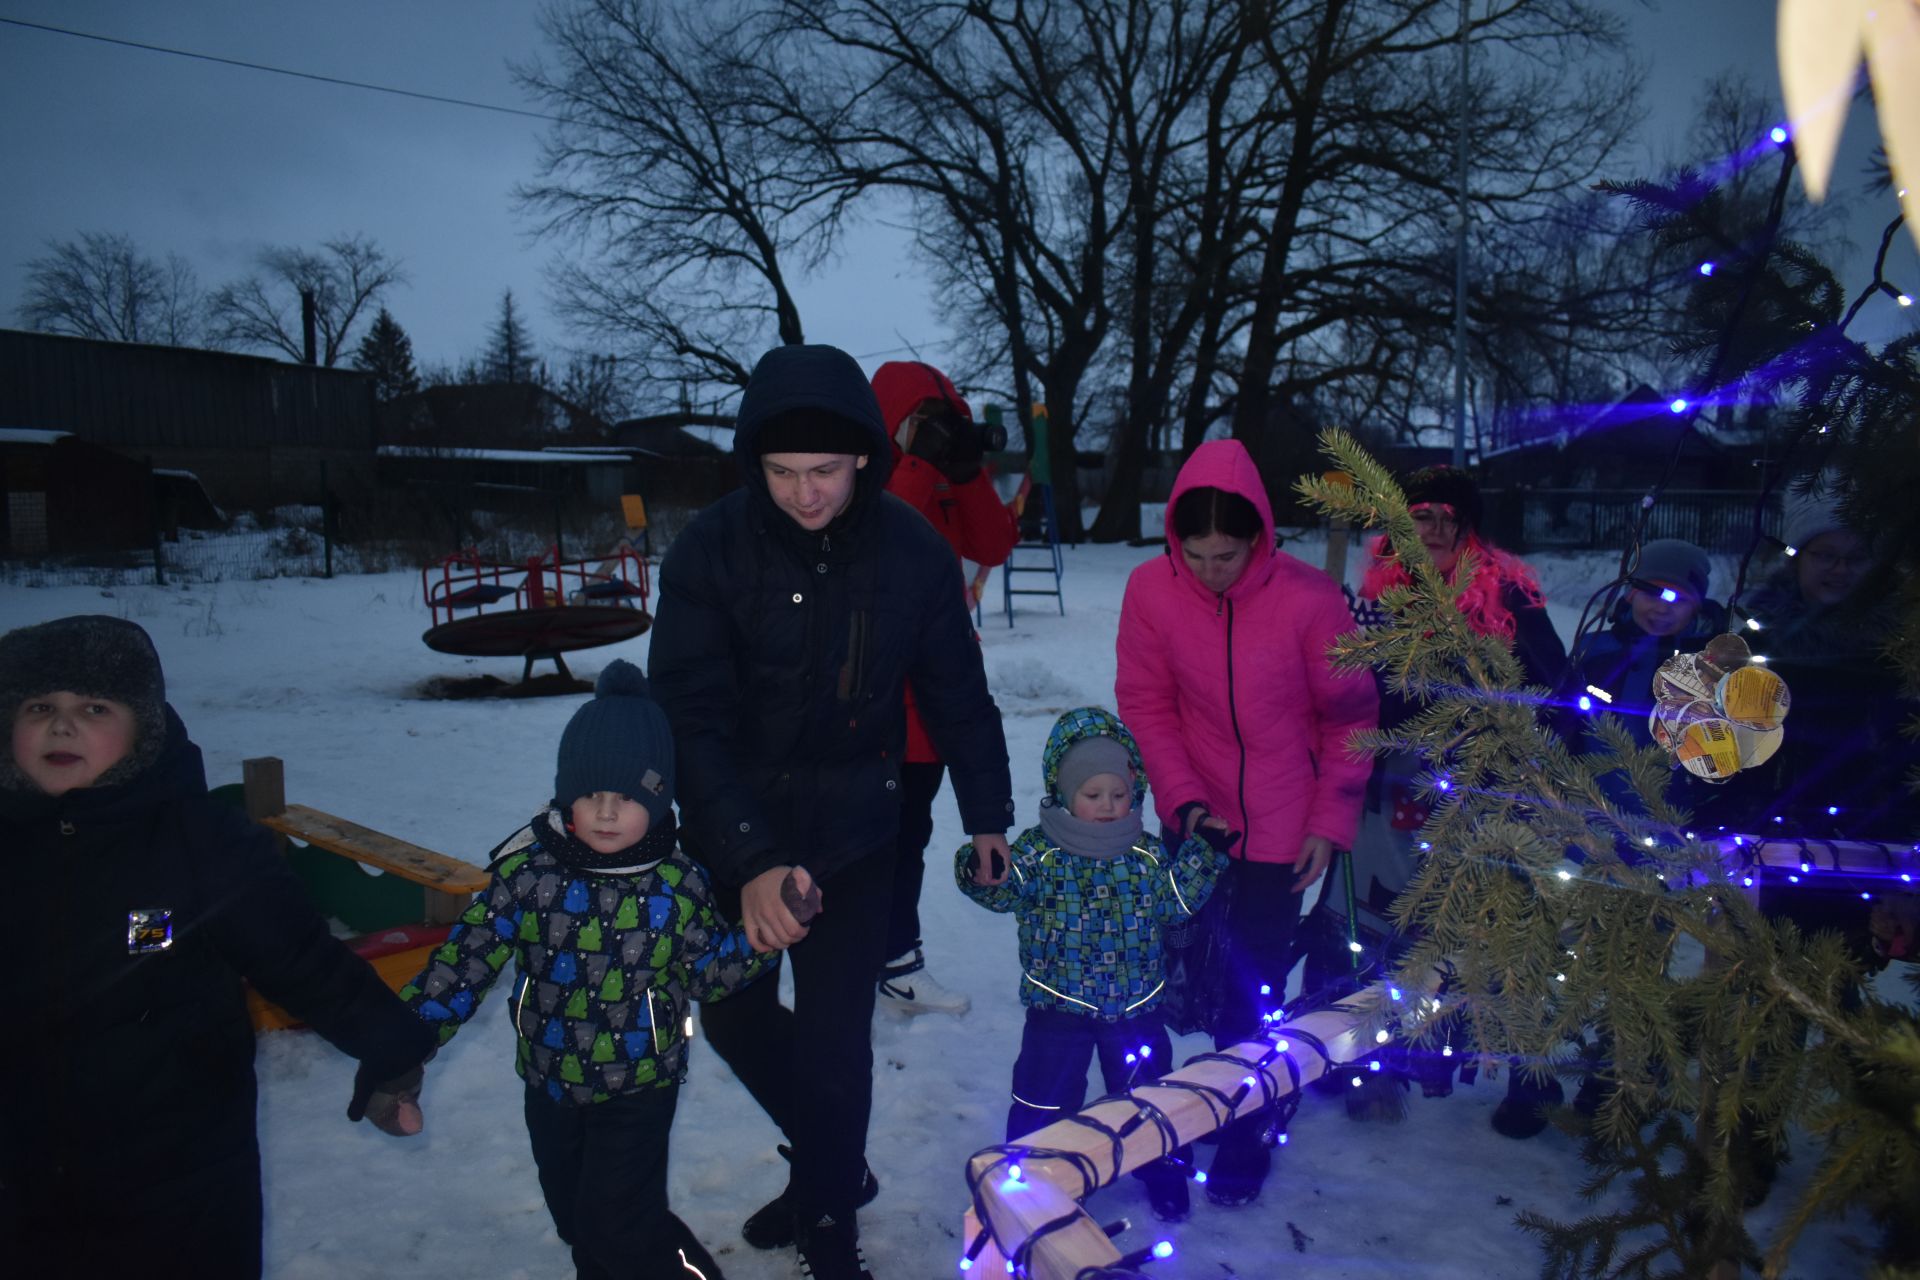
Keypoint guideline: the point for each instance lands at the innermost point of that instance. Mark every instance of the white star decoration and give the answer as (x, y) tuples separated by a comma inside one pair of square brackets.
[(1821, 44)]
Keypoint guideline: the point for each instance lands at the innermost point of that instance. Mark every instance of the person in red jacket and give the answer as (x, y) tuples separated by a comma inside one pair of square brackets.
[(939, 469), (1243, 723)]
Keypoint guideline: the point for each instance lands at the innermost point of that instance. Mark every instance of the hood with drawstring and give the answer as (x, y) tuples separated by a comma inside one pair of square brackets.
[(1231, 694)]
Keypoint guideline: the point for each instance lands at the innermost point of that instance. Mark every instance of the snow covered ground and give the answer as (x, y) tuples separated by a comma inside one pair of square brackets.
[(325, 675)]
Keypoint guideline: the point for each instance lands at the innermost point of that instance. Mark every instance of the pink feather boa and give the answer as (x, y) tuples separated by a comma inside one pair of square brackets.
[(1485, 611)]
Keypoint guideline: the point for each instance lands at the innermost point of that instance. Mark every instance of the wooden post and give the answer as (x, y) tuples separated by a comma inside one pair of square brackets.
[(263, 783), (441, 907), (1338, 533), (1338, 536)]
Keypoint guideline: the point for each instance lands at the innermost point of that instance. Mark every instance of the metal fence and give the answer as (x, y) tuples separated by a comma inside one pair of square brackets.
[(399, 531), (1603, 519)]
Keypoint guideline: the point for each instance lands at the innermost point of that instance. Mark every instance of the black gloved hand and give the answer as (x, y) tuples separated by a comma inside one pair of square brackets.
[(1217, 840), (973, 864), (381, 1099)]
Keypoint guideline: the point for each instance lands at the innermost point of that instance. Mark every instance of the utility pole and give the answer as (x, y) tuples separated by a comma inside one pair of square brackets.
[(1460, 259)]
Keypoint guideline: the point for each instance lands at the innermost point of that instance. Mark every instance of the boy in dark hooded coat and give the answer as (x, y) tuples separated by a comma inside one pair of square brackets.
[(129, 1143), (792, 614)]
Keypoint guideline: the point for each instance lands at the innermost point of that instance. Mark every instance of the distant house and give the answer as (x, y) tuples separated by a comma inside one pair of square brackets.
[(1634, 443), (1580, 481), (666, 439), (66, 496), (489, 415), (256, 431)]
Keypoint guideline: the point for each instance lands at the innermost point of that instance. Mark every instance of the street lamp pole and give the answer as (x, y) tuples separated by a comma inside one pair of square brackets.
[(1460, 259)]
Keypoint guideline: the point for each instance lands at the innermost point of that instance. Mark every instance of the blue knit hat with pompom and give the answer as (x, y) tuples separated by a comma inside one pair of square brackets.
[(618, 741)]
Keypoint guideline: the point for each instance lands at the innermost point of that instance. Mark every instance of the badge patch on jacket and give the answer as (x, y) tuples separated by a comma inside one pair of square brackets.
[(149, 929)]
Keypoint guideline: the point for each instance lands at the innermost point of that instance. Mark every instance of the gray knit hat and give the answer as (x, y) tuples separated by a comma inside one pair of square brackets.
[(96, 656), (1087, 758), (619, 741), (1805, 516), (1674, 562)]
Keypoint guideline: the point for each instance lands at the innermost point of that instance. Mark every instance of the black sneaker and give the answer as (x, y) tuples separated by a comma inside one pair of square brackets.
[(830, 1250), (1238, 1171), (1523, 1112), (771, 1226)]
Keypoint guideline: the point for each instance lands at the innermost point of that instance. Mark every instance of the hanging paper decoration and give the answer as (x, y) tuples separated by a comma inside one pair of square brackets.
[(1821, 45), (1717, 712)]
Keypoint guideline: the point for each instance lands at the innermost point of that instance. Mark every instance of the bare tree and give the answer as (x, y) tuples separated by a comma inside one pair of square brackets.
[(1191, 210), (345, 278), (99, 285), (685, 220)]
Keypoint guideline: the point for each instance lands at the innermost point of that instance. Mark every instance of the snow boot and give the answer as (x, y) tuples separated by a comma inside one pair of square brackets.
[(1523, 1112), (906, 987), (771, 1226), (1166, 1179), (1239, 1167), (830, 1250)]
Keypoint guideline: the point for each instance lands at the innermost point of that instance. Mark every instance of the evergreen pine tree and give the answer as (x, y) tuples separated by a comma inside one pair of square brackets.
[(1556, 912), (509, 354), (387, 353)]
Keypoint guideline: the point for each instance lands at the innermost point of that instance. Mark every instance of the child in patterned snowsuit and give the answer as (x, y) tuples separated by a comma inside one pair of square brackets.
[(614, 933), (1093, 891)]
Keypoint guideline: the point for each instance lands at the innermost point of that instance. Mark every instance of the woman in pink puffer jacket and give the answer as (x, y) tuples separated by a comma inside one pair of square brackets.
[(1243, 724)]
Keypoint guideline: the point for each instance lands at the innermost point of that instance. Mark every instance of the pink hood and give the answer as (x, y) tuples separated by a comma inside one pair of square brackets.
[(1231, 695), (1226, 464)]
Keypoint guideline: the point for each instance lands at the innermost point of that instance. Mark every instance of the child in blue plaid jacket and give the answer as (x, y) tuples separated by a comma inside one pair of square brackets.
[(1093, 892)]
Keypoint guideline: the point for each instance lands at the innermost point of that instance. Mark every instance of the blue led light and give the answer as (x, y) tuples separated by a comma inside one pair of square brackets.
[(1586, 703), (1164, 1249), (1678, 405), (1832, 809), (1669, 595), (1373, 1066), (1706, 268), (1778, 133)]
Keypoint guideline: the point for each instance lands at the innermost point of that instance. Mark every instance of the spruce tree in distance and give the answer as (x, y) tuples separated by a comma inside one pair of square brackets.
[(509, 354), (387, 353)]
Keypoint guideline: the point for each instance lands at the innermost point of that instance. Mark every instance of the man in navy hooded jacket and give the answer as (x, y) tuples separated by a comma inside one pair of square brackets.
[(793, 612)]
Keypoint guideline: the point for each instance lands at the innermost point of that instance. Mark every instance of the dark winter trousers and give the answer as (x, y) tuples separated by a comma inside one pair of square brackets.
[(811, 1067), (603, 1170), (1050, 1075), (199, 1223), (1262, 919), (919, 785)]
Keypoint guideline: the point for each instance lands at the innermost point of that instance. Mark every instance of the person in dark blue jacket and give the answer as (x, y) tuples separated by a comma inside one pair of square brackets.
[(793, 613), (129, 1143), (1666, 611)]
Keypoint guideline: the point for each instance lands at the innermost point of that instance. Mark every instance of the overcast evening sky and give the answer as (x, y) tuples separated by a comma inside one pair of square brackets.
[(214, 162)]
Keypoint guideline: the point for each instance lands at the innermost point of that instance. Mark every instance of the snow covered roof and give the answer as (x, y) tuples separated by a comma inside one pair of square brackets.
[(30, 435), (502, 455)]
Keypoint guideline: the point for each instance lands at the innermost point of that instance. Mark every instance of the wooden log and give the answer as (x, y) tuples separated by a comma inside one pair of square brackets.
[(1066, 1161), (377, 849)]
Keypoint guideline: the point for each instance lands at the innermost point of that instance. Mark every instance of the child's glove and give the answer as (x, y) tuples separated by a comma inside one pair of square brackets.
[(392, 1104), (1217, 840)]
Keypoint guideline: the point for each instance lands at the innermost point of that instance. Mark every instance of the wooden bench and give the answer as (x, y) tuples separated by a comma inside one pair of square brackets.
[(448, 882)]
